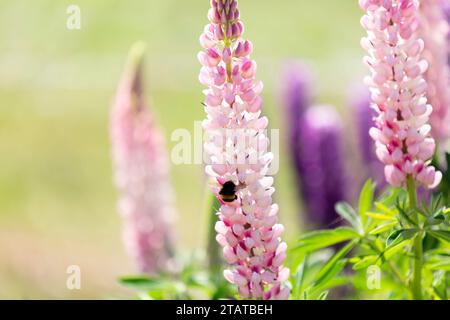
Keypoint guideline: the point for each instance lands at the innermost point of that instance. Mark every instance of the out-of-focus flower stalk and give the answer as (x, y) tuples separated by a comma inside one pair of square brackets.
[(296, 94), (314, 143), (398, 91), (141, 172), (434, 30), (237, 149), (446, 10), (363, 116), (321, 168)]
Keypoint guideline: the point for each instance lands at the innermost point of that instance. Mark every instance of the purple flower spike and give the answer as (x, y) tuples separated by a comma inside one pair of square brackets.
[(321, 164), (296, 97), (314, 141)]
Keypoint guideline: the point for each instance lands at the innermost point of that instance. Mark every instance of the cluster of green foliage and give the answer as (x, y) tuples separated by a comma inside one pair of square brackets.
[(387, 233), (193, 280), (404, 244)]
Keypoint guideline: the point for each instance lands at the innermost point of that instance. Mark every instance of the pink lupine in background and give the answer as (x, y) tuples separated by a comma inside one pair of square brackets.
[(434, 31), (446, 9), (398, 91), (141, 173), (237, 149)]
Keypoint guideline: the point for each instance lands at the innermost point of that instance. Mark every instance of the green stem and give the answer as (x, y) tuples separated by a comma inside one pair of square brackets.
[(395, 272), (411, 187), (416, 286), (214, 258), (418, 263)]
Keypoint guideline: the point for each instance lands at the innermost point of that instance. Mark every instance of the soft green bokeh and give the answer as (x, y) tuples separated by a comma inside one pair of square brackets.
[(57, 203)]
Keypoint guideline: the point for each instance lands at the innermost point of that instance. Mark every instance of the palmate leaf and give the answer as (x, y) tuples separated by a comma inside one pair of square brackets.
[(441, 234), (398, 236), (366, 200), (348, 213), (394, 249), (440, 285), (405, 215), (323, 296), (396, 241), (313, 293), (436, 203), (299, 278), (429, 242), (385, 209), (435, 220), (380, 216), (324, 238), (333, 266), (144, 283), (389, 198), (440, 265), (365, 262), (383, 228)]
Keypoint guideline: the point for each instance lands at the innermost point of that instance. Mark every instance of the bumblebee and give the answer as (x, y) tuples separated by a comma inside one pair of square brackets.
[(228, 192)]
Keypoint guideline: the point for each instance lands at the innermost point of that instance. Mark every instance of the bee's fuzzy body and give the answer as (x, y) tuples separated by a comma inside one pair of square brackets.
[(228, 192)]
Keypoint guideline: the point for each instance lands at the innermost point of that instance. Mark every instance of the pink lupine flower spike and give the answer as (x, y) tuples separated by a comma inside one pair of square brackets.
[(398, 91), (141, 173), (247, 229), (434, 30)]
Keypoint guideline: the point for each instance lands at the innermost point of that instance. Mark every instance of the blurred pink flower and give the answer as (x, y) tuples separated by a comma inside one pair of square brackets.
[(141, 173), (248, 229), (434, 30), (398, 91)]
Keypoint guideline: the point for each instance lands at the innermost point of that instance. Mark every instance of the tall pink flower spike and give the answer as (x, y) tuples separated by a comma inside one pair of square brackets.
[(247, 227), (434, 30), (398, 91), (141, 173)]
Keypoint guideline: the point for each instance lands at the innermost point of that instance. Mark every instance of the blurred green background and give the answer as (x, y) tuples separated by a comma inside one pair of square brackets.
[(57, 202)]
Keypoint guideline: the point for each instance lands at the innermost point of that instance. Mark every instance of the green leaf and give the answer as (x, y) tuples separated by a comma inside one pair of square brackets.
[(394, 249), (380, 206), (390, 196), (327, 281), (323, 296), (324, 238), (440, 285), (333, 266), (436, 203), (143, 283), (366, 199), (429, 242), (348, 213), (435, 220), (380, 216), (405, 215), (440, 265), (305, 295), (382, 228), (300, 276), (441, 234), (398, 236), (365, 262)]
